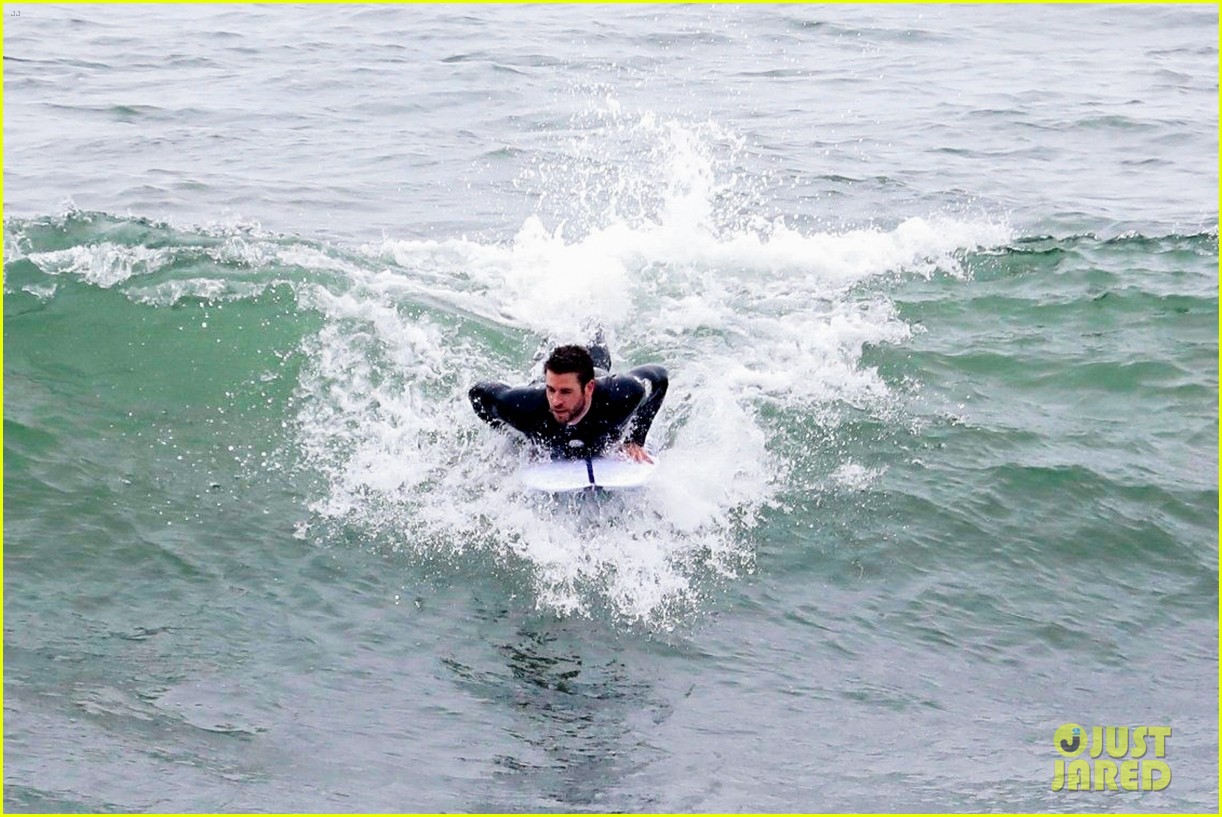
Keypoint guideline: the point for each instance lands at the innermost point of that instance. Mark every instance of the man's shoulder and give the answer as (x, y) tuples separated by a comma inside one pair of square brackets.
[(513, 403), (498, 388), (625, 385)]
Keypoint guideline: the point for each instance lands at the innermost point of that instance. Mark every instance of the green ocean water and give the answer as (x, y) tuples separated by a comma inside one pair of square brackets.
[(182, 487), (938, 294)]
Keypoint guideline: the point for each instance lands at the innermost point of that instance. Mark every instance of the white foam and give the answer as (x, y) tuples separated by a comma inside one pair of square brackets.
[(105, 264), (751, 319), (210, 289), (42, 293), (854, 476)]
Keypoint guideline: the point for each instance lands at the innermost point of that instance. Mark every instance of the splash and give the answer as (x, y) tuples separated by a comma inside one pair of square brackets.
[(754, 319)]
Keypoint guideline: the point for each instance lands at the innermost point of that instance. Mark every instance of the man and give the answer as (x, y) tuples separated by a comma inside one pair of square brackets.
[(573, 413)]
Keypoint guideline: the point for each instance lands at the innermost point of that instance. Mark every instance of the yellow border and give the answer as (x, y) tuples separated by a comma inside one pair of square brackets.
[(3, 646)]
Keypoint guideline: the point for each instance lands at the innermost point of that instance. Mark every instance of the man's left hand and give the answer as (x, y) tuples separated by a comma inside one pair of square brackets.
[(636, 453)]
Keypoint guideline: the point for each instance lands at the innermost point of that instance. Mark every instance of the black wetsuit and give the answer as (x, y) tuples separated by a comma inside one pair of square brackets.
[(623, 406)]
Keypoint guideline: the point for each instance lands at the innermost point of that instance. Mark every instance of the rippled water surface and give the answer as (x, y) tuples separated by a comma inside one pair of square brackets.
[(937, 290)]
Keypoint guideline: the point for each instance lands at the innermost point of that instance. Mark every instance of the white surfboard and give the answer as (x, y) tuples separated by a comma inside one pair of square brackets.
[(562, 476)]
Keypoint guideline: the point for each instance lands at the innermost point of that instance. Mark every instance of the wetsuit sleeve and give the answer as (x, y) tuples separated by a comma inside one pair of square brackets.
[(498, 404), (657, 380)]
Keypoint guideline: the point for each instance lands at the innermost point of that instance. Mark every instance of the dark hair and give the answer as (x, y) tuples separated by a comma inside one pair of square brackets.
[(571, 359)]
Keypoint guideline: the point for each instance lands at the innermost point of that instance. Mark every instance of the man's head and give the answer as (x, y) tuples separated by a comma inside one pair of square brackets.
[(568, 375)]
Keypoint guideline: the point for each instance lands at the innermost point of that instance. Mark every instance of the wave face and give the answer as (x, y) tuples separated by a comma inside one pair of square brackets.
[(364, 355), (938, 295)]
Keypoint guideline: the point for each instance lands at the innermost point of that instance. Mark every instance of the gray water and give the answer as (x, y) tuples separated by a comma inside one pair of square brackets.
[(937, 289)]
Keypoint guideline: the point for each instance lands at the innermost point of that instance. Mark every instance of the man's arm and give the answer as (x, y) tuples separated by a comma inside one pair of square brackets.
[(497, 404), (656, 381)]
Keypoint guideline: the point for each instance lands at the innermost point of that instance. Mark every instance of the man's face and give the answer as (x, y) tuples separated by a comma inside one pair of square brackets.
[(565, 396)]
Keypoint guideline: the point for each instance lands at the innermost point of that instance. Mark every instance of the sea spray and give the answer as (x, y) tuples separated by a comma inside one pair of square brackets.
[(762, 325), (756, 322)]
